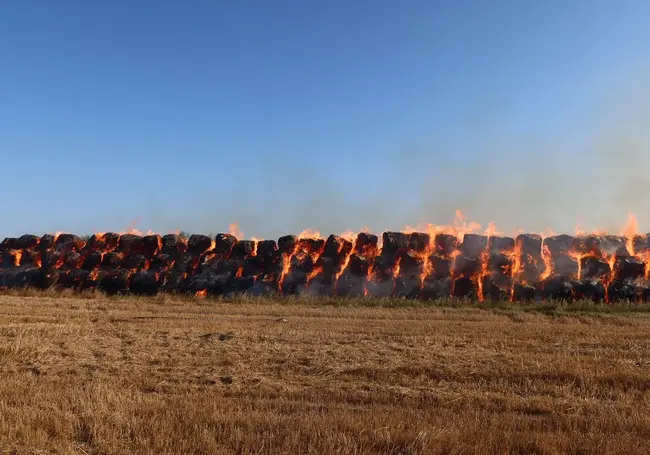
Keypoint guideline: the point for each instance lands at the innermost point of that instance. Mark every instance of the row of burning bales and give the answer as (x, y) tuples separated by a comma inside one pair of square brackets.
[(414, 265)]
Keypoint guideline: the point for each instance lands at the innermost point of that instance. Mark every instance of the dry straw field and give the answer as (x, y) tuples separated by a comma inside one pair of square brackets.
[(97, 375)]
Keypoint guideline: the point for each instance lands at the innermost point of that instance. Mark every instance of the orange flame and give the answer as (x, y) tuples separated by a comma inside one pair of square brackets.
[(233, 229)]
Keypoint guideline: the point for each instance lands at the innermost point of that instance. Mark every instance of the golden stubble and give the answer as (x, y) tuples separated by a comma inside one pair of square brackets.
[(170, 375)]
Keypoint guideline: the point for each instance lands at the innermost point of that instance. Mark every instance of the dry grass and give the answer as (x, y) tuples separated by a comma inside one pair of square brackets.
[(168, 376)]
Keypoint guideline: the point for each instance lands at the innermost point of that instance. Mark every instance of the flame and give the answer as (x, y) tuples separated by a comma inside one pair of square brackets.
[(491, 230), (310, 234), (630, 231), (548, 263), (515, 256), (427, 266), (482, 274), (17, 254), (202, 293), (313, 274), (240, 272), (396, 270), (350, 236), (233, 230), (255, 242)]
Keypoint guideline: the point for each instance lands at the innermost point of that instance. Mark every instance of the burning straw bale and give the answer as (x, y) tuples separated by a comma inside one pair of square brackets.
[(411, 265)]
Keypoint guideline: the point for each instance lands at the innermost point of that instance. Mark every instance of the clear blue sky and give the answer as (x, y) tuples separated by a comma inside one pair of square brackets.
[(285, 115)]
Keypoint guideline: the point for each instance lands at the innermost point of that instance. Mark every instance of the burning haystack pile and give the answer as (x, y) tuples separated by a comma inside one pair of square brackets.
[(414, 265)]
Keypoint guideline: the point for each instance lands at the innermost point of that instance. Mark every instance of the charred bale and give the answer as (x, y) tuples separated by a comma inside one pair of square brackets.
[(173, 245), (199, 244), (498, 244), (51, 259), (628, 268), (394, 243), (30, 258), (473, 245), (382, 268), (643, 291), (593, 268), (380, 288), (8, 278), (30, 278), (465, 266), (73, 260), (11, 259), (252, 267), (523, 292), (337, 248), (589, 289), (45, 243), (311, 246), (111, 240), (92, 260), (529, 245), (186, 264), (134, 261), (588, 245), (229, 267), (611, 245), (556, 287), (410, 265), (445, 244), (144, 283), (441, 266), (433, 288), (115, 282), (463, 288), (224, 244), (419, 242), (366, 244), (68, 242), (93, 279), (76, 279), (558, 244), (530, 269), (112, 260), (162, 262), (50, 278), (242, 249), (499, 264), (406, 287), (358, 266), (493, 290), (9, 243), (350, 285), (287, 244), (96, 242), (565, 266), (27, 241), (621, 291), (151, 245), (267, 252), (129, 243), (325, 270), (173, 281)]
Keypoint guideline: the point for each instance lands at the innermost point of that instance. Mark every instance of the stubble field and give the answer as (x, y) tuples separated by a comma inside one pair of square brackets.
[(168, 375)]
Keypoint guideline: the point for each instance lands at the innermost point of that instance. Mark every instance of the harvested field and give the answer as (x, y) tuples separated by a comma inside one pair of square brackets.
[(166, 375)]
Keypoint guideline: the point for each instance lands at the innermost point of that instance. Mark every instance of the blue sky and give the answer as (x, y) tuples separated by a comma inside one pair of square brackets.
[(332, 115)]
